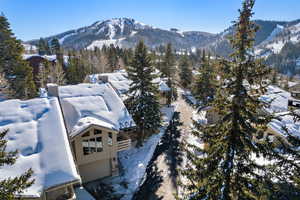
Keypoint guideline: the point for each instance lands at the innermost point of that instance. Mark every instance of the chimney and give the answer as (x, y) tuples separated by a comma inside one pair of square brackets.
[(104, 78), (52, 89)]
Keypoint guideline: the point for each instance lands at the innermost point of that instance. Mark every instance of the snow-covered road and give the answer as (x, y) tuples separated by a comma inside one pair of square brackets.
[(168, 187)]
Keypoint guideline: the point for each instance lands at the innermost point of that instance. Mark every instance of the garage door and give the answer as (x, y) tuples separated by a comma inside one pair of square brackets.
[(96, 170)]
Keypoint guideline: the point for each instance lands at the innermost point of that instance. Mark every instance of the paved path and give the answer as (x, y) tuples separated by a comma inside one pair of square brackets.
[(168, 188)]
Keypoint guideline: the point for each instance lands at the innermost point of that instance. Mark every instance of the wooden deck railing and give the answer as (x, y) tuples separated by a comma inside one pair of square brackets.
[(124, 145)]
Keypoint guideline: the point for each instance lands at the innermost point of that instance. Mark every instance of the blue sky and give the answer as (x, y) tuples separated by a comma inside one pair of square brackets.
[(31, 19)]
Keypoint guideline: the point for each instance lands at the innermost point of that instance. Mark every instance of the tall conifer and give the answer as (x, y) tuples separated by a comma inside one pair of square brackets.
[(168, 71), (142, 102), (185, 73), (205, 81), (237, 162), (17, 71)]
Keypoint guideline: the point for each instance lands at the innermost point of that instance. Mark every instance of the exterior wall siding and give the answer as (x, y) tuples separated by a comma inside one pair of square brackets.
[(98, 164)]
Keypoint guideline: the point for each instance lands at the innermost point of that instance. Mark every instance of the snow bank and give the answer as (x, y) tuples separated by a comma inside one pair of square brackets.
[(97, 104), (37, 130)]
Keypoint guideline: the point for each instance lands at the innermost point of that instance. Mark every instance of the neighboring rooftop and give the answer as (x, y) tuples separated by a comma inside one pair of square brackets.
[(51, 58), (37, 130), (97, 104), (277, 97), (287, 122), (119, 80)]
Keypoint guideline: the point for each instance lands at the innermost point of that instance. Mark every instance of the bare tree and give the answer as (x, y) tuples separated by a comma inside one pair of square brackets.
[(102, 64), (57, 74), (5, 91)]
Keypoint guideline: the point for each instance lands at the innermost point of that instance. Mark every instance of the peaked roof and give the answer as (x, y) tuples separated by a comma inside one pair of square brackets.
[(37, 131), (97, 104)]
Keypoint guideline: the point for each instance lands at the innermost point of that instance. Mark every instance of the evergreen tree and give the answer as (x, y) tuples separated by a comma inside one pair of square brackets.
[(11, 187), (56, 50), (112, 58), (127, 57), (205, 82), (76, 71), (168, 71), (230, 167), (275, 77), (55, 46), (173, 135), (185, 74), (43, 47), (17, 71), (142, 102)]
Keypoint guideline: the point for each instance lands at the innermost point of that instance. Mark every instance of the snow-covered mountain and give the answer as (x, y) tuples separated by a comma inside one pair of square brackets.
[(126, 32), (280, 36), (270, 39)]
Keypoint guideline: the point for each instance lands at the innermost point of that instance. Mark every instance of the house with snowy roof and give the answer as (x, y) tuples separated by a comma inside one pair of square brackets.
[(282, 126), (68, 137), (36, 129), (121, 83), (98, 125)]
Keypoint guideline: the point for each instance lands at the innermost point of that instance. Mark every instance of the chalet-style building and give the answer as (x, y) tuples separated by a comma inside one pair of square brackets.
[(69, 137), (98, 124)]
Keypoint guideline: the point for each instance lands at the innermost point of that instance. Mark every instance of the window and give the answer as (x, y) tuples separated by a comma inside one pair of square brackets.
[(97, 132), (92, 145), (99, 145), (85, 146), (86, 134), (110, 139)]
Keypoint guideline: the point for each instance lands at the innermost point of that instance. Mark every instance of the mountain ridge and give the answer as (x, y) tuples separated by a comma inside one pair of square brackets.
[(126, 32)]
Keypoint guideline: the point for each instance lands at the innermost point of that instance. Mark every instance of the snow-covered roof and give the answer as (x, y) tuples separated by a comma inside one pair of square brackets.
[(37, 131), (93, 104), (286, 121), (277, 97), (119, 80), (51, 58)]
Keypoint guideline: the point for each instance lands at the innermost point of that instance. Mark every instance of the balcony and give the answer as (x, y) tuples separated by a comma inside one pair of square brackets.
[(124, 144)]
